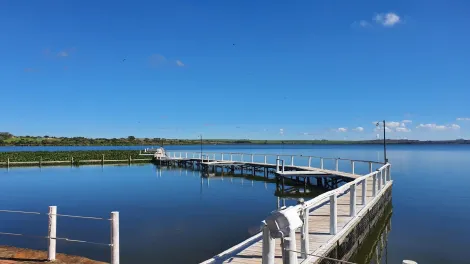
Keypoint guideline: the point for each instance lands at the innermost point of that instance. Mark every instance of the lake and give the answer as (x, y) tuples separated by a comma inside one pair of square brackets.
[(174, 216)]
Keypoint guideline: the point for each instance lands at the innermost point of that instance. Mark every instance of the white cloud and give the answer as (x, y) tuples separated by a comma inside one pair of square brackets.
[(281, 131), (364, 24), (392, 124), (387, 129), (463, 119), (436, 127), (407, 121), (387, 19), (179, 63), (63, 54), (402, 129), (359, 129), (341, 129)]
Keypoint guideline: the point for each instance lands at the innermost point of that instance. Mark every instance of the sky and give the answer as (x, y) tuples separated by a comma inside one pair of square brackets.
[(236, 69)]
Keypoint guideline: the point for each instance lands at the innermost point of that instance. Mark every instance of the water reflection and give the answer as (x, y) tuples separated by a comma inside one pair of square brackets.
[(374, 249)]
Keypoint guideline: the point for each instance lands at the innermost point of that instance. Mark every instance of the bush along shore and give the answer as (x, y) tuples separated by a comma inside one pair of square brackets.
[(51, 158)]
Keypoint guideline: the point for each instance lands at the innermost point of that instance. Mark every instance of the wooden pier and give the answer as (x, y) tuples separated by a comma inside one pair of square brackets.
[(330, 226)]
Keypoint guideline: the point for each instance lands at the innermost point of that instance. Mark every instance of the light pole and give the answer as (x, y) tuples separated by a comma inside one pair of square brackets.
[(385, 143), (201, 145)]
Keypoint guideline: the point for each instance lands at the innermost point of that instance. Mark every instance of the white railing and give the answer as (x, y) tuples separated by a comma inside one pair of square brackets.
[(263, 158), (52, 232), (380, 178)]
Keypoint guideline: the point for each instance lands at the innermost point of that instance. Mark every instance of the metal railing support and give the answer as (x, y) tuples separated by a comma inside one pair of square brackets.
[(352, 200), (364, 191), (268, 246), (333, 214), (52, 233), (114, 237)]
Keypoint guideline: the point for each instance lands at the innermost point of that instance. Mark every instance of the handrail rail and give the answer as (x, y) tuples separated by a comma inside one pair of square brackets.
[(275, 155)]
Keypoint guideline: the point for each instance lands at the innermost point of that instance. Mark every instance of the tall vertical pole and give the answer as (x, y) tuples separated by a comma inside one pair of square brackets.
[(385, 146), (52, 233), (114, 237), (201, 147)]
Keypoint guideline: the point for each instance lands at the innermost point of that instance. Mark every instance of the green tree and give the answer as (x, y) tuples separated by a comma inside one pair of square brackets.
[(131, 138)]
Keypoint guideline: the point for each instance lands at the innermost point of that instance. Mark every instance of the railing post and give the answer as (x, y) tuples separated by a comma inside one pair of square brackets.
[(241, 157), (364, 191), (370, 167), (321, 163), (102, 160), (268, 246), (337, 164), (277, 165), (52, 233), (213, 156), (352, 166), (265, 160), (389, 175), (252, 158), (374, 184), (292, 160), (290, 248), (384, 177), (305, 245), (186, 155), (379, 180), (222, 158), (231, 157), (333, 214), (352, 200), (309, 162), (282, 166), (114, 237)]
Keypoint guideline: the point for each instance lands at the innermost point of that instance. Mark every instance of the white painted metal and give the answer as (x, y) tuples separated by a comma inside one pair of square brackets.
[(277, 165), (222, 156), (282, 161), (379, 180), (52, 234), (364, 191), (231, 157), (352, 200), (305, 245), (292, 160), (389, 175), (309, 162), (337, 164), (409, 262), (114, 237), (290, 249), (265, 159), (321, 163), (370, 167), (374, 185), (268, 246), (333, 214), (252, 158), (241, 157), (352, 167)]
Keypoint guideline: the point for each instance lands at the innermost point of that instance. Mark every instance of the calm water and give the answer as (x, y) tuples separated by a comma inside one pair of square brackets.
[(167, 212)]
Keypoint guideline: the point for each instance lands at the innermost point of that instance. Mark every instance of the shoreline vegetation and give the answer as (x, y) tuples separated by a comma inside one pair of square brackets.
[(8, 139)]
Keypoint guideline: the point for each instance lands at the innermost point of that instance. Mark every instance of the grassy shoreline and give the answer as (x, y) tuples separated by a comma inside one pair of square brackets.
[(85, 155)]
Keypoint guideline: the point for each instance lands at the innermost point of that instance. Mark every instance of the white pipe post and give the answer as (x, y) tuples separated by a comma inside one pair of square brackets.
[(252, 158), (181, 155), (114, 237), (277, 165), (290, 248), (370, 167), (337, 164), (268, 246), (374, 184), (52, 233), (292, 160), (333, 214), (384, 177), (305, 235), (352, 166), (389, 175), (265, 159), (309, 162), (379, 180), (282, 166), (321, 163), (222, 156), (352, 200), (241, 157), (231, 157), (364, 191), (186, 155), (213, 156)]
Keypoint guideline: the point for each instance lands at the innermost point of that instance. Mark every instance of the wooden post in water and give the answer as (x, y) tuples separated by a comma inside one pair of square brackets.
[(268, 245), (333, 214), (364, 191), (352, 200), (114, 237), (52, 232)]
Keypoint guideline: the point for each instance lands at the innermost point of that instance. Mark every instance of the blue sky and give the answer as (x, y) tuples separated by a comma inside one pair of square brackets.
[(235, 69)]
